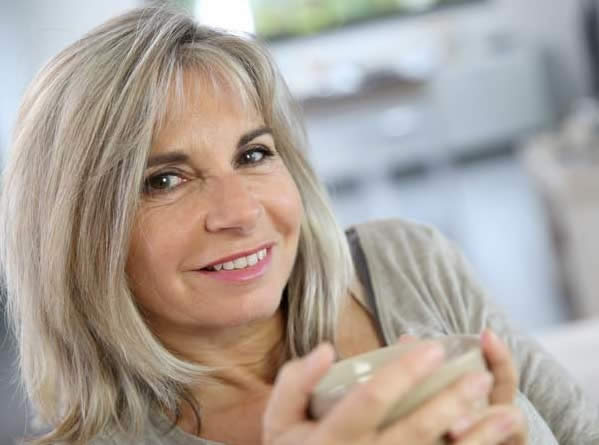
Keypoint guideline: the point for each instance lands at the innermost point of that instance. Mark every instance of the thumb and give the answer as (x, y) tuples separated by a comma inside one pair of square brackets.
[(291, 393)]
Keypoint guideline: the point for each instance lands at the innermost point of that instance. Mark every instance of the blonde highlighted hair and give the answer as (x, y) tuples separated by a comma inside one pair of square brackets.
[(70, 190)]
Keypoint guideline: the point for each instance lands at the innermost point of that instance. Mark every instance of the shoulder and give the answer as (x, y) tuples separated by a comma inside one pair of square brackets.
[(399, 232), (405, 242), (397, 227), (419, 278)]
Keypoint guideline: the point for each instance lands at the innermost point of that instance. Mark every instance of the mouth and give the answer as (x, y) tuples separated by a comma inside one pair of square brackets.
[(239, 262), (241, 268)]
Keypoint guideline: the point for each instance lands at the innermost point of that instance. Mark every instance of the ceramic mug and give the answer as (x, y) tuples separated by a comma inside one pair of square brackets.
[(463, 354)]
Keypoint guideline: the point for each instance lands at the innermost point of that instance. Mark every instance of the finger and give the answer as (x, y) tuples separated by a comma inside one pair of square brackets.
[(290, 396), (460, 428), (500, 363), (364, 408), (431, 420), (500, 424)]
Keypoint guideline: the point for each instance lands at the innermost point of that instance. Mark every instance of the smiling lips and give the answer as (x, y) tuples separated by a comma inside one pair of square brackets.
[(242, 268), (239, 263)]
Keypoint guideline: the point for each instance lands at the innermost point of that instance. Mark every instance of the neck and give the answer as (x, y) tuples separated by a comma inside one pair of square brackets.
[(242, 391), (245, 358)]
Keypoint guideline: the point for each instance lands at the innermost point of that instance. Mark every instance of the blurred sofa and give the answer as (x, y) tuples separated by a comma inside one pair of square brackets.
[(576, 346)]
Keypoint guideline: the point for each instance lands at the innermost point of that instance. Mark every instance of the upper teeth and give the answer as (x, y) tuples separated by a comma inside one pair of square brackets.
[(241, 262)]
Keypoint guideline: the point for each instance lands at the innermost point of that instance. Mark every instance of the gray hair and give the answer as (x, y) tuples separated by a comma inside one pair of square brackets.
[(70, 190)]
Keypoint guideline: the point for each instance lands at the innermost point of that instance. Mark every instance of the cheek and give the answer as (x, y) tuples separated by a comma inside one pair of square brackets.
[(155, 247), (140, 263), (287, 202)]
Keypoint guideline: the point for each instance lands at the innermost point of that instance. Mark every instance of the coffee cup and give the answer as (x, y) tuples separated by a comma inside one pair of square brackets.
[(463, 354)]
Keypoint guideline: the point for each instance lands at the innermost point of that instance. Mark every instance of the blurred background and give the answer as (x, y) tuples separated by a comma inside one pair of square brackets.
[(476, 116)]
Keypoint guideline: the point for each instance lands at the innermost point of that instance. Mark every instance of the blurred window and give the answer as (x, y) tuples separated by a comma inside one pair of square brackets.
[(276, 19)]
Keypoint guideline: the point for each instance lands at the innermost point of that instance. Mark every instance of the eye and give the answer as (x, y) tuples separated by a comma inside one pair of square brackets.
[(162, 182), (255, 155)]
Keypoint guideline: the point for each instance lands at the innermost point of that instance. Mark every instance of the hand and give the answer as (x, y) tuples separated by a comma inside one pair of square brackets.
[(500, 363), (354, 419)]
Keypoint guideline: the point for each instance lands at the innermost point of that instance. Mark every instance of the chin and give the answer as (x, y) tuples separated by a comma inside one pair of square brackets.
[(252, 312), (242, 311)]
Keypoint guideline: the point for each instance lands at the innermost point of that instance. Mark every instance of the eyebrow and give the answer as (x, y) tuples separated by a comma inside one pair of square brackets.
[(178, 157), (251, 135), (172, 157)]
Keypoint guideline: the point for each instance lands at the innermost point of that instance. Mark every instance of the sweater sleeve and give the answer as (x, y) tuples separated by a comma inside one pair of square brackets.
[(571, 416)]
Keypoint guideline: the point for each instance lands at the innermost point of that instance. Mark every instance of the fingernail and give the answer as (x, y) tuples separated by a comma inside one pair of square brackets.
[(479, 385), (314, 358), (489, 336), (406, 338)]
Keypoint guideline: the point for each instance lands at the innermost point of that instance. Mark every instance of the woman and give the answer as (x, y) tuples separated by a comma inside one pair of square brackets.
[(171, 265)]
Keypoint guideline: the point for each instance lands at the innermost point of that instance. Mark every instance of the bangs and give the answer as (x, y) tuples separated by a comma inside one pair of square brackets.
[(203, 70)]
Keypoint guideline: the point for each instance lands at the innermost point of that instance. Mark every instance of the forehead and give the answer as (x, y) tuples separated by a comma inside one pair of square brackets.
[(201, 105), (193, 92)]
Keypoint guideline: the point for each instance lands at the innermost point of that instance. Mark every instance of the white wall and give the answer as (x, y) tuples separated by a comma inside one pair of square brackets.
[(31, 32)]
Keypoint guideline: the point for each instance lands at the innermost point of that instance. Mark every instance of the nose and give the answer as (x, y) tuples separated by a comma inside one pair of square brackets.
[(233, 206)]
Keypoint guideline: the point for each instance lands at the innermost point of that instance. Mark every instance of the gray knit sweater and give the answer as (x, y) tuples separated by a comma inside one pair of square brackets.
[(417, 282)]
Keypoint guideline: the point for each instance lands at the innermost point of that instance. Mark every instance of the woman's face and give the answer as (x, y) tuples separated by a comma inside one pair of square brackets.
[(216, 236)]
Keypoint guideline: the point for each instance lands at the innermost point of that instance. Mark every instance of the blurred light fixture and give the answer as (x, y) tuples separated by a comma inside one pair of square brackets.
[(232, 15)]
